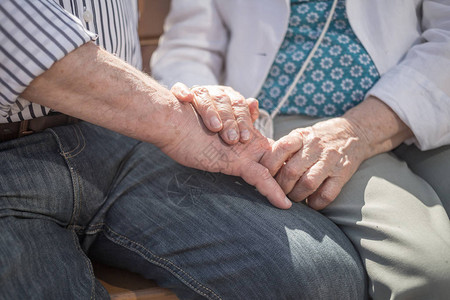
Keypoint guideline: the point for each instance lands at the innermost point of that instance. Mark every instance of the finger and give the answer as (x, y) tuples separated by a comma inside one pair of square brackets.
[(295, 167), (253, 107), (182, 92), (310, 181), (282, 151), (258, 176), (230, 129), (205, 107), (242, 115), (326, 193)]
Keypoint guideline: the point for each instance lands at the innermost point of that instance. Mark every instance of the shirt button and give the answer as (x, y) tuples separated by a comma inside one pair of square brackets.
[(87, 16)]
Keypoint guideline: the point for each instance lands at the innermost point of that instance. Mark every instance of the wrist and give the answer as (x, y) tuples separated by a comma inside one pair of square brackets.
[(377, 125), (167, 119), (359, 133)]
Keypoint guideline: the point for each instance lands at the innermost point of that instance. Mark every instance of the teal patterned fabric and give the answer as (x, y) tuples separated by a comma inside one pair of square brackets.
[(338, 76)]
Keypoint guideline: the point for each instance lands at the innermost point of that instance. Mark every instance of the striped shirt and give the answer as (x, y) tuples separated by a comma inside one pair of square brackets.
[(34, 34)]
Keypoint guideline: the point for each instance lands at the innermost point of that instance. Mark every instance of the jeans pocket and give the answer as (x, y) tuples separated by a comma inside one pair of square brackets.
[(72, 146)]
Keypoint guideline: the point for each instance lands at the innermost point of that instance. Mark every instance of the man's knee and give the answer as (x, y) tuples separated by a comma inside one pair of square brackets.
[(308, 259), (323, 269)]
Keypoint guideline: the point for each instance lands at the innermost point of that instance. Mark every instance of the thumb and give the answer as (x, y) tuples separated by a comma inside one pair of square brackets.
[(182, 92)]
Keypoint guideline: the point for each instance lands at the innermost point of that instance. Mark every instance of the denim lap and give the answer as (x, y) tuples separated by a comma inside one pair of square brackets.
[(127, 204), (49, 195), (35, 181), (220, 237), (39, 259)]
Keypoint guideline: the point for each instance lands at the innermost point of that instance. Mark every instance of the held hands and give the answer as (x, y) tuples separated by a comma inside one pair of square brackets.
[(195, 146), (311, 164), (227, 112)]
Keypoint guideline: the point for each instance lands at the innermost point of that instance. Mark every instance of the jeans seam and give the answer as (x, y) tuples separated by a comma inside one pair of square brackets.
[(94, 228), (166, 264), (76, 188), (88, 263)]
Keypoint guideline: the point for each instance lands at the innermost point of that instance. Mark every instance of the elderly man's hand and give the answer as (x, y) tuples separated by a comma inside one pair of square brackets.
[(195, 146), (222, 110)]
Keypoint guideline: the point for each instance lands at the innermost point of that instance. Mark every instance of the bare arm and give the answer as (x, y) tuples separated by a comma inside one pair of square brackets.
[(378, 125), (93, 85)]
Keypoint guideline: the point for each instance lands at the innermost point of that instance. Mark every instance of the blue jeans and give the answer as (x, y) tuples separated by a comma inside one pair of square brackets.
[(79, 192)]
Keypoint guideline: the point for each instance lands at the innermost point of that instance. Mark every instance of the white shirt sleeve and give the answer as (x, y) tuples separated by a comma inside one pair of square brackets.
[(33, 36), (418, 88)]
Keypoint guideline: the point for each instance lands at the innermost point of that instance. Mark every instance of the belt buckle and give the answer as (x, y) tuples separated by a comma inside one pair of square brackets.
[(24, 130)]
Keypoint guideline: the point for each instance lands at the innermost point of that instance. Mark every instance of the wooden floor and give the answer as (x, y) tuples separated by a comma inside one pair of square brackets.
[(125, 285)]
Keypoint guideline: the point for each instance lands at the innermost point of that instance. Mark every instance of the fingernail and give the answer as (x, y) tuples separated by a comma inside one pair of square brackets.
[(245, 134), (215, 123), (232, 135), (288, 202)]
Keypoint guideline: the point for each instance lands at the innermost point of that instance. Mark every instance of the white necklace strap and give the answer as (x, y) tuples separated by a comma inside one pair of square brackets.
[(307, 61)]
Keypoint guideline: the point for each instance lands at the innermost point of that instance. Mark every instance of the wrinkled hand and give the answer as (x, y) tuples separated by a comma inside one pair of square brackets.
[(314, 163), (195, 146), (222, 110)]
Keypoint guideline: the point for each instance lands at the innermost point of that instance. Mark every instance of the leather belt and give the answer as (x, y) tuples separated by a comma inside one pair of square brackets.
[(10, 131)]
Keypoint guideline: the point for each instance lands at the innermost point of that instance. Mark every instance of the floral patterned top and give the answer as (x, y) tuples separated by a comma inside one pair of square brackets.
[(339, 74)]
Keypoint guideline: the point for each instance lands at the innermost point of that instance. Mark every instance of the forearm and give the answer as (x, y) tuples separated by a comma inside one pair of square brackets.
[(377, 125), (94, 85)]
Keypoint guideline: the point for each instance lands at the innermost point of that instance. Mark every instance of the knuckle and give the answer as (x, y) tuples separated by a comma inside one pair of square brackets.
[(203, 100), (242, 119), (222, 97), (200, 90), (218, 94), (290, 172), (298, 134), (327, 197), (286, 145), (272, 168), (295, 132), (264, 174), (332, 154), (309, 183), (295, 195), (239, 102), (203, 106), (224, 110), (317, 142)]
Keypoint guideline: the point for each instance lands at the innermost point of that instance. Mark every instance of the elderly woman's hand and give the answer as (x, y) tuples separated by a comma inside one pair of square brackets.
[(222, 110), (314, 163)]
